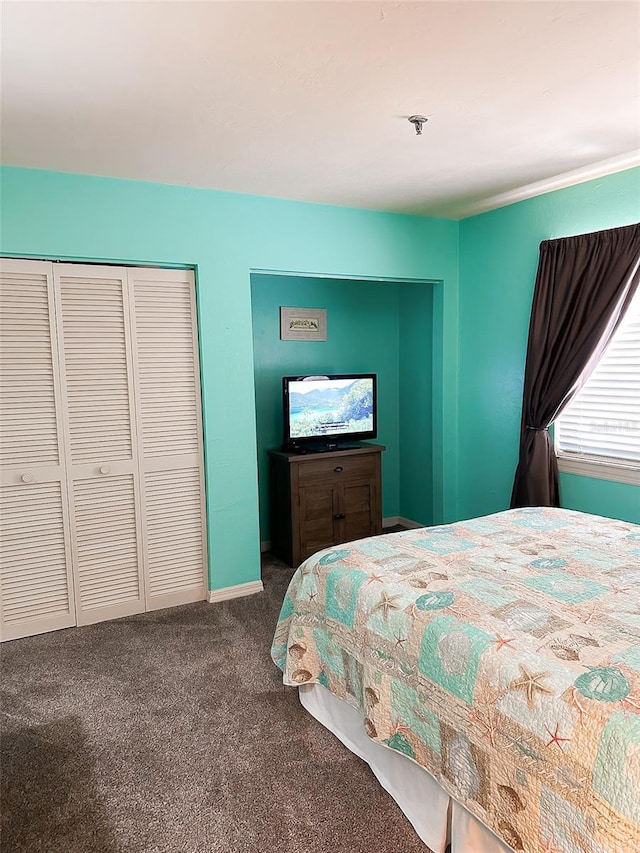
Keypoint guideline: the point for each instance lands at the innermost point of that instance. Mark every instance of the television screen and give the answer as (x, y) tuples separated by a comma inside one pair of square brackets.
[(329, 407)]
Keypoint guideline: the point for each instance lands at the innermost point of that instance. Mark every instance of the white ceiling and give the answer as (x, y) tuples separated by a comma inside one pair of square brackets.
[(309, 100)]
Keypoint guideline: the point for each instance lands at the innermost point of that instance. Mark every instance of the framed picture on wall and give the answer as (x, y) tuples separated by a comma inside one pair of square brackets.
[(303, 324)]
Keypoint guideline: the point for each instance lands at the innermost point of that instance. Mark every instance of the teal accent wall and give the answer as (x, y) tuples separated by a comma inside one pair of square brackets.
[(225, 236), (498, 263), (373, 327), (415, 402)]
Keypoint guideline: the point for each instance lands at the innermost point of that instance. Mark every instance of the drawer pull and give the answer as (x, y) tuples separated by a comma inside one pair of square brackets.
[(338, 469), (339, 515), (105, 469), (27, 478)]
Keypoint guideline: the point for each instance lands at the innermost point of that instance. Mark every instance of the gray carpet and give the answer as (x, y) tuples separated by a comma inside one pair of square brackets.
[(172, 732)]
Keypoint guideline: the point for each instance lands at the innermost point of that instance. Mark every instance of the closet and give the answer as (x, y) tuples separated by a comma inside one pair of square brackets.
[(101, 463)]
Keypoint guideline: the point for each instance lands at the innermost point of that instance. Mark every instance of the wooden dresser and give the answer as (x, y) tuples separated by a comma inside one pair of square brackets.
[(323, 499)]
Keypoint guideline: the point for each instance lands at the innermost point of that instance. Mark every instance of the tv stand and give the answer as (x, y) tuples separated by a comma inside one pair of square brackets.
[(320, 447), (320, 499)]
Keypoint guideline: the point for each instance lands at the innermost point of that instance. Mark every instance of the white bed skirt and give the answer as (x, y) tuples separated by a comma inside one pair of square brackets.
[(437, 819)]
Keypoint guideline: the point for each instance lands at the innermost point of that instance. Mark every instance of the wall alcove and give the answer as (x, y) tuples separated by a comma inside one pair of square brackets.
[(379, 326)]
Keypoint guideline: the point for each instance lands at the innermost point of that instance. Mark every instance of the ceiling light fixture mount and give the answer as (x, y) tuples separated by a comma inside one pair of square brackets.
[(417, 122)]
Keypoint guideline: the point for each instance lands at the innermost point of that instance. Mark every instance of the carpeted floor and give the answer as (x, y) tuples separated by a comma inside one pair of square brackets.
[(172, 732)]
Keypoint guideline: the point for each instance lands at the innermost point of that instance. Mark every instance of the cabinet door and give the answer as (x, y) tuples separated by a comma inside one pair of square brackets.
[(101, 441), (36, 589), (318, 506), (357, 505)]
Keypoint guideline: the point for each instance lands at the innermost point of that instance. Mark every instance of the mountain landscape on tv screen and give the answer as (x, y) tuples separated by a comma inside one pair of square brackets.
[(320, 398), (332, 411)]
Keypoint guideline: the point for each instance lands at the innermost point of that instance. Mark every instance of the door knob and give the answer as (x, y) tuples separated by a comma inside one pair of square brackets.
[(27, 478), (104, 469)]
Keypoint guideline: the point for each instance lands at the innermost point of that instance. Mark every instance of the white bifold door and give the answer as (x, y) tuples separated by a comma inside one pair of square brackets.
[(100, 444), (36, 583)]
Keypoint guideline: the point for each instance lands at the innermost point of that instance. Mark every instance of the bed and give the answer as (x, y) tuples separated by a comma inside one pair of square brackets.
[(502, 656)]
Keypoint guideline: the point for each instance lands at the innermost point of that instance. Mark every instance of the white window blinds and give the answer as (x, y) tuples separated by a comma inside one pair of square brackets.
[(602, 422)]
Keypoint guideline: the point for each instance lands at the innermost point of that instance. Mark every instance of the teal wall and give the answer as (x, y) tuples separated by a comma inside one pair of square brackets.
[(498, 263), (601, 497), (480, 323), (415, 401), (373, 327), (225, 236)]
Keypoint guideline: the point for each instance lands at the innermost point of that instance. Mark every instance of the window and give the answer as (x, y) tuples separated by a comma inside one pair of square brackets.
[(598, 433)]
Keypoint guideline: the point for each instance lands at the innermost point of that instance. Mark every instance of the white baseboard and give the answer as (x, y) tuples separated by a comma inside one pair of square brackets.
[(237, 591), (399, 519), (265, 545)]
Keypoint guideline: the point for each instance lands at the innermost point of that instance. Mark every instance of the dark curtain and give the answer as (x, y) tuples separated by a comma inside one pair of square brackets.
[(583, 287)]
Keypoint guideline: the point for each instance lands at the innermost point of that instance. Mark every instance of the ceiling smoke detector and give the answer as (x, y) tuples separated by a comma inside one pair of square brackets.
[(417, 122)]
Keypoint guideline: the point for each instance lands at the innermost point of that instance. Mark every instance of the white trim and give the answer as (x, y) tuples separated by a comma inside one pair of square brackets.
[(265, 545), (237, 591), (567, 179), (392, 520), (616, 472)]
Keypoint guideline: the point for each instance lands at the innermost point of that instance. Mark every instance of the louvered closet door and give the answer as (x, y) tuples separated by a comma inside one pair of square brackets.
[(36, 589), (169, 419), (101, 440)]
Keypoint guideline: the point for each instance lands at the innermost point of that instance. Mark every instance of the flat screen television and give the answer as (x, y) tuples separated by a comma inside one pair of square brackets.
[(328, 412)]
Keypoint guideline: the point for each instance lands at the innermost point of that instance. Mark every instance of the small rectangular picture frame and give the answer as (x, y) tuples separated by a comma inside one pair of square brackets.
[(303, 324)]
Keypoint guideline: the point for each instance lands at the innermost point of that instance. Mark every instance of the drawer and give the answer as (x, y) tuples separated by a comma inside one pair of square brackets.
[(335, 469)]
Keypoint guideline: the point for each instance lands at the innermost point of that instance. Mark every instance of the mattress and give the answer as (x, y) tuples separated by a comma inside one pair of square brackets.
[(501, 654)]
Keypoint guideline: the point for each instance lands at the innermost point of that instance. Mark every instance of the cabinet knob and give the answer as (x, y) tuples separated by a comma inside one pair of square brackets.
[(338, 469), (339, 515), (104, 469), (27, 478)]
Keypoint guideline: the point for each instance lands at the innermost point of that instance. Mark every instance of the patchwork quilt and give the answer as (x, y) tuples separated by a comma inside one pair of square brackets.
[(502, 654)]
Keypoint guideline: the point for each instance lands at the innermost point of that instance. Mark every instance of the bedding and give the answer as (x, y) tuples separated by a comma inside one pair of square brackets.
[(441, 823), (502, 654)]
